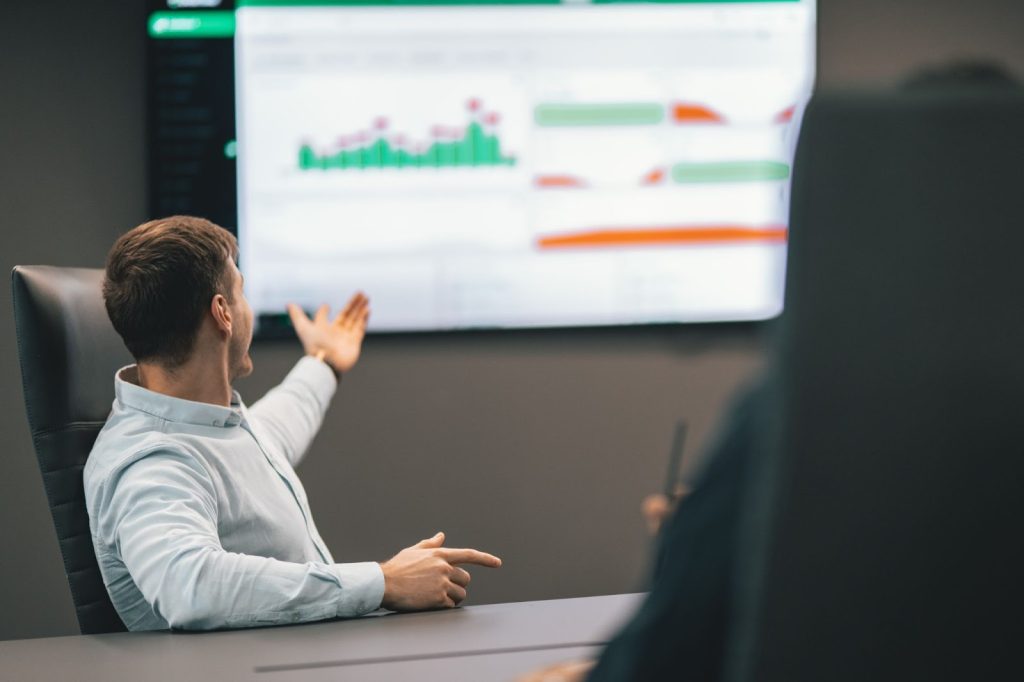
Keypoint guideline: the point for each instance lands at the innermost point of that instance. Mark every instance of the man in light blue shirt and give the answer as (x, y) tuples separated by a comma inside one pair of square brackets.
[(198, 518)]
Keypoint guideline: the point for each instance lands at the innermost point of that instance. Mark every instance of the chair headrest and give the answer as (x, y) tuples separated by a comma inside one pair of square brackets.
[(68, 347)]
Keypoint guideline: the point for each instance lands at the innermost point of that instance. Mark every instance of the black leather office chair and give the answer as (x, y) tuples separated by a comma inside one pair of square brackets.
[(69, 352)]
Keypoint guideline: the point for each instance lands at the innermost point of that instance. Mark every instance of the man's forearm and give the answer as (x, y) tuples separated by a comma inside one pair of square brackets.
[(224, 590), (290, 414)]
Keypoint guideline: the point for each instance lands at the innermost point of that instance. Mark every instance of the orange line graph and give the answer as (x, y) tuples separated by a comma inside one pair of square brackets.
[(717, 234), (695, 113), (558, 181)]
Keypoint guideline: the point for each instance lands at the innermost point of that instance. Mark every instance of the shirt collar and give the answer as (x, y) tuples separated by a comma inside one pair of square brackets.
[(135, 397)]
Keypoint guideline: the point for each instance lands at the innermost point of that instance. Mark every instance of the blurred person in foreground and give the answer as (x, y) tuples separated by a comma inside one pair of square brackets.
[(197, 516), (681, 629)]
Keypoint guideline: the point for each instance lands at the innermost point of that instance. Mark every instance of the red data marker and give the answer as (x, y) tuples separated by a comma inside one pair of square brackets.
[(786, 116), (492, 118), (473, 104), (380, 123), (654, 177)]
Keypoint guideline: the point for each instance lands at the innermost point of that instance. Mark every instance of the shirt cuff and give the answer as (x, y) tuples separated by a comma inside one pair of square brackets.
[(362, 588)]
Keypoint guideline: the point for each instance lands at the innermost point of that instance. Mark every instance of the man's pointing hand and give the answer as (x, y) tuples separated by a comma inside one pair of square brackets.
[(427, 575)]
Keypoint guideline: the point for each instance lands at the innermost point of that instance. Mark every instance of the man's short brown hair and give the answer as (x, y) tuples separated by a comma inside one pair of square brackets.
[(160, 278)]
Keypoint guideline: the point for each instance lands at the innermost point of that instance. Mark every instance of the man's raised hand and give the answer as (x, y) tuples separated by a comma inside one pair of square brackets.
[(427, 575), (339, 341)]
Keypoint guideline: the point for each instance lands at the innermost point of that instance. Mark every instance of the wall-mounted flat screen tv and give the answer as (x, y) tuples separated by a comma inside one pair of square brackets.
[(488, 163)]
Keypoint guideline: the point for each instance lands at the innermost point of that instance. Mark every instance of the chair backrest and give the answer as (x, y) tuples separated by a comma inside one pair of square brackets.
[(69, 352), (884, 533)]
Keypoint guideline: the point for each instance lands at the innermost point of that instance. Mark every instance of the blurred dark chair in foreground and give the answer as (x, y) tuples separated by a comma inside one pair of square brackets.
[(69, 352), (881, 536)]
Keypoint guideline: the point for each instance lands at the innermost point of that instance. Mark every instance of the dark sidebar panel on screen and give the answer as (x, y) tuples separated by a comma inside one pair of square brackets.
[(190, 110)]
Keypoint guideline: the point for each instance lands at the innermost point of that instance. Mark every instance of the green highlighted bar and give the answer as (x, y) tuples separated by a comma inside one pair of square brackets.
[(218, 24), (476, 148), (730, 171), (617, 114), (690, 2)]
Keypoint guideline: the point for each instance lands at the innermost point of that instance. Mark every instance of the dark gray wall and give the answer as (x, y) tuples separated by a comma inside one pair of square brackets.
[(71, 135), (537, 446)]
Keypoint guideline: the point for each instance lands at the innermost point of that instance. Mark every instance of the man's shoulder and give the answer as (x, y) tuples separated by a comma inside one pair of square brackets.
[(125, 438)]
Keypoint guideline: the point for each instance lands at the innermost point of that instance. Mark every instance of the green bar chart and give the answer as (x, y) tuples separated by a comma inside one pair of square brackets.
[(476, 144)]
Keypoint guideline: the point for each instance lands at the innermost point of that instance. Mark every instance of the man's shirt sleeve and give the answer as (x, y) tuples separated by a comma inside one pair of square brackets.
[(291, 413), (164, 520)]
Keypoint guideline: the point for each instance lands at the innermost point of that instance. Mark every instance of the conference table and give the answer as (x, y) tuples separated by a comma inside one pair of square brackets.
[(478, 643)]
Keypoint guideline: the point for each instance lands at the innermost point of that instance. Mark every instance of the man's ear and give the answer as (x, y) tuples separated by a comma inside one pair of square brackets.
[(221, 313)]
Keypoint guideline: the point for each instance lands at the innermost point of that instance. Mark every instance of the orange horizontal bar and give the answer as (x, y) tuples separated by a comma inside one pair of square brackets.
[(664, 235), (695, 113), (558, 181)]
